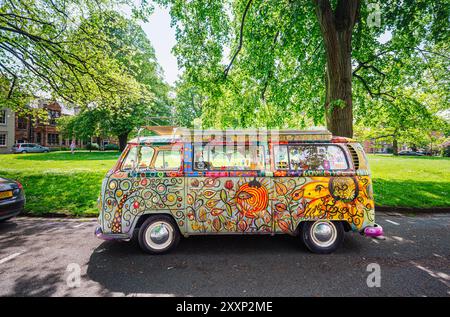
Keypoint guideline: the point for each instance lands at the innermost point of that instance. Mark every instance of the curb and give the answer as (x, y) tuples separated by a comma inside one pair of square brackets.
[(55, 215), (403, 210)]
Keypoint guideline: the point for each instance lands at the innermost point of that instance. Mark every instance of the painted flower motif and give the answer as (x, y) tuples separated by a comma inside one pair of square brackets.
[(297, 194), (189, 199), (280, 207), (251, 200), (212, 203), (161, 188), (209, 193), (229, 184), (216, 211), (217, 225), (202, 214), (280, 188), (284, 225), (242, 224), (211, 182)]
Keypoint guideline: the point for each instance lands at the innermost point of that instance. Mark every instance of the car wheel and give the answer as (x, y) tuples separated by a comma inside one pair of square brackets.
[(158, 234), (24, 152), (45, 151), (322, 236)]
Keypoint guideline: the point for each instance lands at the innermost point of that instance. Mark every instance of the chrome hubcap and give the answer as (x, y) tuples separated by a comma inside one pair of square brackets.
[(323, 233), (159, 235)]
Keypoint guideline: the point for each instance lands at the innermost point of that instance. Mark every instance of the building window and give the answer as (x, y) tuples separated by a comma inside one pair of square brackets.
[(38, 138), (2, 116), (21, 123), (2, 139), (53, 139), (52, 116)]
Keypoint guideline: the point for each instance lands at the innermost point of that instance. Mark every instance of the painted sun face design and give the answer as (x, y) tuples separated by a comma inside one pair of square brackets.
[(251, 199), (343, 188)]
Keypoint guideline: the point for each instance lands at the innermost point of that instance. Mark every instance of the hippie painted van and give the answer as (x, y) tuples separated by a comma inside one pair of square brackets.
[(195, 182)]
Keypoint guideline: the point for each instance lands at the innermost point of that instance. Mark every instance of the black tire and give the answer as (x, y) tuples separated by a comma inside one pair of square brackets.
[(168, 225), (24, 152), (314, 244), (46, 151)]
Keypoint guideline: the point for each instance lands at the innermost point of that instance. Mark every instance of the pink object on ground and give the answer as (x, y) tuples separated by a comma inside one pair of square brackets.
[(375, 231)]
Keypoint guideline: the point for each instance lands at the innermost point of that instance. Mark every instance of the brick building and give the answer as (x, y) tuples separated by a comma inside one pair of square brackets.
[(45, 133), (27, 129)]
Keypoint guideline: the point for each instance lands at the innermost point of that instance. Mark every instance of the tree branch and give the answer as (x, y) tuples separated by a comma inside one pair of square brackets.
[(241, 35)]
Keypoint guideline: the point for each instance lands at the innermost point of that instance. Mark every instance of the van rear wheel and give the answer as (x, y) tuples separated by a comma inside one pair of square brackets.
[(158, 234), (322, 236)]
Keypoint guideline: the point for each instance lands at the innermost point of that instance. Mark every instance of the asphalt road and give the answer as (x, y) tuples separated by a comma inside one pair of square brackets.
[(41, 257)]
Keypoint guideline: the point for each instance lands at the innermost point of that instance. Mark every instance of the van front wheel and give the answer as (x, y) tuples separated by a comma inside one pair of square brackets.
[(158, 234), (322, 236)]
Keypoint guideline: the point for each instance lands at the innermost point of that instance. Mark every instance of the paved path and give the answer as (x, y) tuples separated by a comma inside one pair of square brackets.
[(39, 256)]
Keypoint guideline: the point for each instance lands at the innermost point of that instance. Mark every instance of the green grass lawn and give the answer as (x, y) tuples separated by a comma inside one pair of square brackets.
[(60, 182), (419, 182)]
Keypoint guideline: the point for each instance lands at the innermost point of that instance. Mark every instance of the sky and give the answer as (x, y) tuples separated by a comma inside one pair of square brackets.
[(163, 40)]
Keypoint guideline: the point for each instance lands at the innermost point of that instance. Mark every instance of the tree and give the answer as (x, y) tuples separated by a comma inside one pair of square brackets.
[(294, 63), (135, 55), (56, 47)]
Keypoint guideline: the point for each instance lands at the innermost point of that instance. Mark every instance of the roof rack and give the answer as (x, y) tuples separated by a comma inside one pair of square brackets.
[(211, 134)]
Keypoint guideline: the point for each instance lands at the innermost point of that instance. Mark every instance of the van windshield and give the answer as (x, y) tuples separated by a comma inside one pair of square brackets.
[(131, 158)]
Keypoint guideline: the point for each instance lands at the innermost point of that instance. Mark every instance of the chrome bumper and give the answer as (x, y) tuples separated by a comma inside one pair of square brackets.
[(111, 236), (374, 231)]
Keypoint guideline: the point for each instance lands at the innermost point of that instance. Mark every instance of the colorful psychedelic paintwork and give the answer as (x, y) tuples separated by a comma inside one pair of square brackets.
[(238, 205)]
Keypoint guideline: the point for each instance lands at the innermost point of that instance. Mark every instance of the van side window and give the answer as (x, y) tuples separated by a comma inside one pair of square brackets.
[(242, 157), (316, 157), (168, 160), (281, 158), (130, 160)]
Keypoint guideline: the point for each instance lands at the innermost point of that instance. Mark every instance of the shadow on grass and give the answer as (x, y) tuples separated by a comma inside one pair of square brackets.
[(408, 193), (67, 156)]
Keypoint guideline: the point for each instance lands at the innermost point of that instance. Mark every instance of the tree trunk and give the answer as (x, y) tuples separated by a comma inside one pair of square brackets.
[(337, 28), (123, 138), (395, 146)]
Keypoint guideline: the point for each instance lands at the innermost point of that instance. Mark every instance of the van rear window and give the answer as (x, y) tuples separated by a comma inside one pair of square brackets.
[(309, 157)]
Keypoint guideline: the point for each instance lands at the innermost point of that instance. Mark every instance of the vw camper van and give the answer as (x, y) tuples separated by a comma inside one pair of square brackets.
[(185, 182)]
